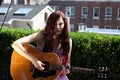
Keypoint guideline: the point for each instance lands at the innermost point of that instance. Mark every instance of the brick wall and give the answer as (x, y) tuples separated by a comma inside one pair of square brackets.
[(101, 22)]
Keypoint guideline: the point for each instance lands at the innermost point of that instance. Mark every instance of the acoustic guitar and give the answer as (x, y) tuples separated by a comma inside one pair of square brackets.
[(23, 69)]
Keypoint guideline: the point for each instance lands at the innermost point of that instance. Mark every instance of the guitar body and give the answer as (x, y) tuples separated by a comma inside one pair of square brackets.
[(23, 69)]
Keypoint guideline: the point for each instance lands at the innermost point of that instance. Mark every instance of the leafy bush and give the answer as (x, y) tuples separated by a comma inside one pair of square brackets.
[(7, 36), (92, 50)]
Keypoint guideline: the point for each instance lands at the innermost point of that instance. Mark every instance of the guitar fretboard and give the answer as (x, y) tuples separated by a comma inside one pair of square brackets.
[(82, 70), (74, 69)]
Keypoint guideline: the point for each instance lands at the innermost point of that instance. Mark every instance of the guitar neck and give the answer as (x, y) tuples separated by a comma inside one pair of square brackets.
[(75, 69), (82, 70), (102, 72)]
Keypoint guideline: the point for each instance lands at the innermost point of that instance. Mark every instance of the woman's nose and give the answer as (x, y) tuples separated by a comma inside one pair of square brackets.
[(58, 27)]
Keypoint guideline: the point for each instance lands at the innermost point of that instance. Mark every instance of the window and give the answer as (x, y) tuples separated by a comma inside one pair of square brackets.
[(81, 27), (84, 12), (46, 16), (6, 1), (118, 14), (96, 13), (20, 1), (55, 8), (107, 27), (3, 10), (70, 11), (71, 27), (22, 11), (118, 27), (95, 26), (108, 13)]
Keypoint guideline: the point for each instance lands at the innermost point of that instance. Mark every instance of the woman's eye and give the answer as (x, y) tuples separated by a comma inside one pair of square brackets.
[(60, 23)]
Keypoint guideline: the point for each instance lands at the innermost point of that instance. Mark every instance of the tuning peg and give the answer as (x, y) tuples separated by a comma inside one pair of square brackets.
[(105, 76), (106, 68), (99, 68), (102, 72), (98, 75)]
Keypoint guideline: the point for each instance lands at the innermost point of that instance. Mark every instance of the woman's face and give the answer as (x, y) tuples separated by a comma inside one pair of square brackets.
[(59, 26)]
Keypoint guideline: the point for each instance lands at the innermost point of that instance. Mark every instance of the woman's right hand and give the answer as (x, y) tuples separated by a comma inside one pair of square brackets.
[(39, 65)]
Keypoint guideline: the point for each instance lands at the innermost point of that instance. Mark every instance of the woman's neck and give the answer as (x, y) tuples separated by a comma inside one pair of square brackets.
[(56, 37)]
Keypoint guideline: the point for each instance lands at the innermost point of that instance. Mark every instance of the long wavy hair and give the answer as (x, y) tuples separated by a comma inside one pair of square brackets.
[(49, 33)]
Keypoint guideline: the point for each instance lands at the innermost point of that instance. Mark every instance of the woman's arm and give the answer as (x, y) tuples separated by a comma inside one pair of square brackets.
[(69, 54), (67, 71), (18, 46)]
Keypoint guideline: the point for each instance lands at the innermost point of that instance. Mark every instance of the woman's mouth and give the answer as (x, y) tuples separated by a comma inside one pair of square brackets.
[(57, 31)]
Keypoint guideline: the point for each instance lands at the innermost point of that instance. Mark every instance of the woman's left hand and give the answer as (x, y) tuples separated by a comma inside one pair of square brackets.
[(65, 71)]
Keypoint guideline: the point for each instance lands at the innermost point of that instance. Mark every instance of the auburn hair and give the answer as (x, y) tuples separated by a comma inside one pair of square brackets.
[(49, 33)]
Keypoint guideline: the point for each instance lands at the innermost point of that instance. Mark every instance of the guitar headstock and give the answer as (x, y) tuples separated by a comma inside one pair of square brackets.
[(102, 72)]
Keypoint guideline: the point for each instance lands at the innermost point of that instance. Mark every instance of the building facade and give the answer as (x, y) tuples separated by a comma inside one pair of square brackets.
[(25, 16), (97, 14), (26, 2)]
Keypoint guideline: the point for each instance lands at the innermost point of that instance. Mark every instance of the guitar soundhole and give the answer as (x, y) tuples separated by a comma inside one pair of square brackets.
[(45, 73), (47, 66)]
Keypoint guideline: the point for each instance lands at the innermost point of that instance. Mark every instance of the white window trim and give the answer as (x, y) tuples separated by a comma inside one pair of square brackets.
[(71, 27), (55, 7), (69, 9), (108, 17), (118, 17), (82, 27), (15, 1), (25, 2), (6, 1), (82, 14), (96, 17)]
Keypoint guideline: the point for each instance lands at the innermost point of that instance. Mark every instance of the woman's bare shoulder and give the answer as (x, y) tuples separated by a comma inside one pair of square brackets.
[(70, 40), (39, 36)]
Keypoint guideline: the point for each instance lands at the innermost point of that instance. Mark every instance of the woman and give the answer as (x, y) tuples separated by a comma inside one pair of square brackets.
[(55, 38)]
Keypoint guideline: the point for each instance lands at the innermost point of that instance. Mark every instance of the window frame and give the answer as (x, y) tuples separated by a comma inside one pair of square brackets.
[(55, 8), (84, 13), (94, 13), (21, 12), (118, 14), (71, 10), (3, 10), (108, 14)]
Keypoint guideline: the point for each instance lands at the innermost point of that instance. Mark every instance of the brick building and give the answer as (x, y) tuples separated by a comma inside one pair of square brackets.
[(100, 14)]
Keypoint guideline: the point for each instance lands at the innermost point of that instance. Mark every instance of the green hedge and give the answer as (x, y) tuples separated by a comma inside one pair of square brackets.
[(89, 50), (7, 36), (93, 50)]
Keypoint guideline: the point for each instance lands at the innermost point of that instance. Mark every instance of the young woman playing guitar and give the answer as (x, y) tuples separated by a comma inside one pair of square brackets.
[(54, 38)]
